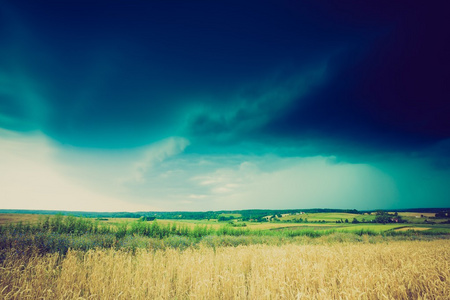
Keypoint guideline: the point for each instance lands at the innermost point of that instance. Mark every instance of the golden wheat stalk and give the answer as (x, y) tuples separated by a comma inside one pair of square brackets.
[(394, 270)]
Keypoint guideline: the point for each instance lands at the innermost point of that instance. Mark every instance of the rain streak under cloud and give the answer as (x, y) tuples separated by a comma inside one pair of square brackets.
[(172, 105)]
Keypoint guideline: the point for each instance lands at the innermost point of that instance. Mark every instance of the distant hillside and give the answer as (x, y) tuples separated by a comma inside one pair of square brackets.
[(187, 215), (86, 214)]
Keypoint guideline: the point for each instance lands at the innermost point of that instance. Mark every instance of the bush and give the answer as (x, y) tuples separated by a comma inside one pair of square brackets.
[(178, 242)]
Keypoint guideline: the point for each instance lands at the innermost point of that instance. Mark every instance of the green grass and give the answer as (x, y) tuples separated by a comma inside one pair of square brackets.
[(439, 228), (310, 227)]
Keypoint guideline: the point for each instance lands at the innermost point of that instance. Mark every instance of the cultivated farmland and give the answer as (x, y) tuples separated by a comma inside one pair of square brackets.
[(65, 257), (396, 270)]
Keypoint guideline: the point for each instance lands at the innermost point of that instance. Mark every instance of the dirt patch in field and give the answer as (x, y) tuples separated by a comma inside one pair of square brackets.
[(417, 214), (412, 228), (16, 218)]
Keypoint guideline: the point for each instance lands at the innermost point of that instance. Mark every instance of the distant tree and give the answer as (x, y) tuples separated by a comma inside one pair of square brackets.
[(382, 217), (400, 219), (442, 214), (355, 221), (261, 219), (346, 220)]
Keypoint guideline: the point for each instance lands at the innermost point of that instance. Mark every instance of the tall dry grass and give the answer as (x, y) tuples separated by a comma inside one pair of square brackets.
[(394, 270)]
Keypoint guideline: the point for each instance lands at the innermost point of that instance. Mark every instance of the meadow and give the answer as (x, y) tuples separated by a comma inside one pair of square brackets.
[(66, 257)]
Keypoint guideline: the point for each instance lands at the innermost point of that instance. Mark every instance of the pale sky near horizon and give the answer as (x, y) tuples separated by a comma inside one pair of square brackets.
[(172, 105)]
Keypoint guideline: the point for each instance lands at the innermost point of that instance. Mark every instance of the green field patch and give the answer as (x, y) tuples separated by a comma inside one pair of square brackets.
[(236, 216), (329, 217), (439, 228), (371, 227), (269, 225), (308, 227)]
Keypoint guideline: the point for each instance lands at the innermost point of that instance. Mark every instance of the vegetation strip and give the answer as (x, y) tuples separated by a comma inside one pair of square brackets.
[(60, 233)]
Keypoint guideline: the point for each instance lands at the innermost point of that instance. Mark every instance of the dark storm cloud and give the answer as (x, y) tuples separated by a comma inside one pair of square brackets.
[(122, 74), (126, 71), (390, 92)]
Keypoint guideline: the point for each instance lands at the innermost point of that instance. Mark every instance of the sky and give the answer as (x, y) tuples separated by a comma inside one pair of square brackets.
[(223, 105)]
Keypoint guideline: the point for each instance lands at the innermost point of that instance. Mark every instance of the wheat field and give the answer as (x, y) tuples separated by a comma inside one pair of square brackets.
[(394, 270)]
